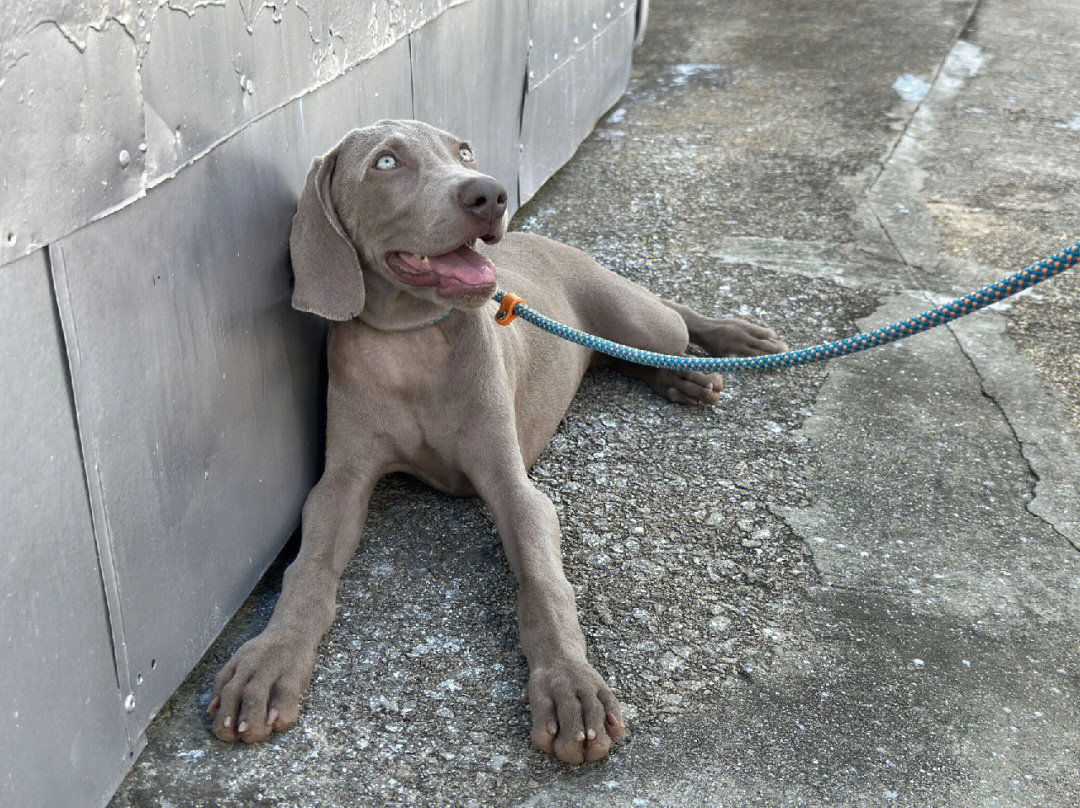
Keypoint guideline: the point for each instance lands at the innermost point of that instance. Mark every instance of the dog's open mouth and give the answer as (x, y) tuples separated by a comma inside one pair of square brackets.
[(461, 273)]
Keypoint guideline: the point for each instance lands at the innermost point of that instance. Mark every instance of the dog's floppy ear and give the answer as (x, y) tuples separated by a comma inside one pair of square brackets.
[(327, 269)]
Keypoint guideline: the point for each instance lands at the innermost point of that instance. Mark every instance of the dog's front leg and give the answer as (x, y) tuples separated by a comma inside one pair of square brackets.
[(574, 714), (259, 689)]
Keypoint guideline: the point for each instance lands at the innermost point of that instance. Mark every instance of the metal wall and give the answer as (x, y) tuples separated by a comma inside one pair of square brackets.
[(59, 700), (160, 419)]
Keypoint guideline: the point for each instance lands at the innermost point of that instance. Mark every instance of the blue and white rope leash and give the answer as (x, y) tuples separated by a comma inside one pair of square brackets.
[(1006, 287)]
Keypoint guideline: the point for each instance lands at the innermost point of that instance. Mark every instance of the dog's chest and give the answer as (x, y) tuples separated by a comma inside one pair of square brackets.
[(416, 393)]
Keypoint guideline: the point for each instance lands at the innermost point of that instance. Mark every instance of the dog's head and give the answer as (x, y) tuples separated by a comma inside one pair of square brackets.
[(401, 199)]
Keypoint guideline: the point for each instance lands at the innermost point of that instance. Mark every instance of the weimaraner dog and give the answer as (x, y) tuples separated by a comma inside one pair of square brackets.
[(422, 380)]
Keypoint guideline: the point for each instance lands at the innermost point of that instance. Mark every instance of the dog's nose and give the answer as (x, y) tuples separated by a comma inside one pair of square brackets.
[(483, 197)]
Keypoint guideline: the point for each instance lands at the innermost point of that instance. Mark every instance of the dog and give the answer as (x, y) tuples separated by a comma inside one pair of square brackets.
[(396, 239)]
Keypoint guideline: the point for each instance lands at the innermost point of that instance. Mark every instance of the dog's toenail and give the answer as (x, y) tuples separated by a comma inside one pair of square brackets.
[(242, 727), (228, 722), (580, 736), (591, 734), (271, 717), (552, 728)]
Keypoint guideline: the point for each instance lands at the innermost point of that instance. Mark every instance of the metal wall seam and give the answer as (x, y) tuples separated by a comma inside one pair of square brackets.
[(95, 497), (571, 98), (65, 741)]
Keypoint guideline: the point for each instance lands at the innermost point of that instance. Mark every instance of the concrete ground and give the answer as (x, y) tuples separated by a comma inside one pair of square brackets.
[(852, 585)]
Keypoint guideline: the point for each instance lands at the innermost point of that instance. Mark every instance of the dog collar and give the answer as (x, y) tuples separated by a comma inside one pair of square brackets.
[(420, 327)]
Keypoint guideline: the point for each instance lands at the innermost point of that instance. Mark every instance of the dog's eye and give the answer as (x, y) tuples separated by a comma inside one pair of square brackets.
[(386, 162), (466, 154)]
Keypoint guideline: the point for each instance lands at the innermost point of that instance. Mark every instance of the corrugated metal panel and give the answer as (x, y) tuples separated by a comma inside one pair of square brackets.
[(468, 77), (63, 731), (562, 106), (196, 387)]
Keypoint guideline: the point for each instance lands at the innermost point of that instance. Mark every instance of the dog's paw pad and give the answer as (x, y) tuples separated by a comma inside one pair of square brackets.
[(575, 716), (258, 691)]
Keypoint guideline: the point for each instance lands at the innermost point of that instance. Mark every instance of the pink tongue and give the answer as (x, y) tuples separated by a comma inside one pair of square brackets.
[(465, 265)]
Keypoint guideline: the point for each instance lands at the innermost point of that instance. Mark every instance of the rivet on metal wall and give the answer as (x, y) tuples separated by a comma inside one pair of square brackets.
[(125, 158), (129, 703)]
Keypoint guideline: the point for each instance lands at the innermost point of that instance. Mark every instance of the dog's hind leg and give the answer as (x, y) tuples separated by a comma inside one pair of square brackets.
[(620, 310), (727, 337)]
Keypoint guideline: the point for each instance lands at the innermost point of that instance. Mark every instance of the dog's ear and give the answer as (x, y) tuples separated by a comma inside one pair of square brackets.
[(325, 264)]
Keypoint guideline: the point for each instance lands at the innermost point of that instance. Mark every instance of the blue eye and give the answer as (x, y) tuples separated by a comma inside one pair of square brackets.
[(466, 154), (386, 162)]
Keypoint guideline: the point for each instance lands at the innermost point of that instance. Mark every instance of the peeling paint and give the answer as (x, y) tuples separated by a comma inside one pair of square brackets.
[(286, 50), (172, 102)]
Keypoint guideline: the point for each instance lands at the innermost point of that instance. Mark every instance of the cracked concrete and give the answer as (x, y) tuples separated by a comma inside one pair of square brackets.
[(846, 585), (895, 195), (1036, 415)]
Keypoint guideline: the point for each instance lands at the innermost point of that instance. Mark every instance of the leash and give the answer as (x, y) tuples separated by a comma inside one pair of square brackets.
[(511, 307)]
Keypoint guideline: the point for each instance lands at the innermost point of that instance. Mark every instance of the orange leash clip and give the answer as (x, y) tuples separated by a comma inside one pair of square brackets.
[(506, 314)]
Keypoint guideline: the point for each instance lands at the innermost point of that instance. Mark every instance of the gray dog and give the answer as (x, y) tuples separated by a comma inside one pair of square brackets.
[(386, 243)]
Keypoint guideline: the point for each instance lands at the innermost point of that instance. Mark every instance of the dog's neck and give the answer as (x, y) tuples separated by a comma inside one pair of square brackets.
[(388, 308)]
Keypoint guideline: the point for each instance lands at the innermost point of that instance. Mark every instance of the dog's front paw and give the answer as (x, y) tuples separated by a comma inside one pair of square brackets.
[(258, 691), (574, 714)]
